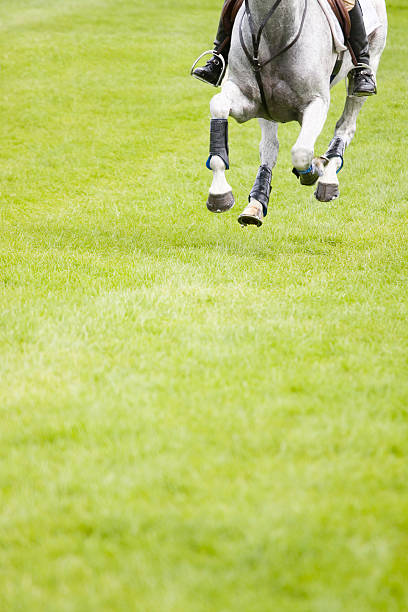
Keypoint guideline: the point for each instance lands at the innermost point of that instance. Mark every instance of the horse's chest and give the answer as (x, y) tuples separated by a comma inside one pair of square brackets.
[(284, 102)]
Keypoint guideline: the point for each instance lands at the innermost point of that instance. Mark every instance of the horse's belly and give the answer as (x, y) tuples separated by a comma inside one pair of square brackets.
[(282, 115)]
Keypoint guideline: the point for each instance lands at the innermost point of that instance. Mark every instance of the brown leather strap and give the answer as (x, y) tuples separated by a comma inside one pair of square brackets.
[(229, 13), (342, 16), (236, 8)]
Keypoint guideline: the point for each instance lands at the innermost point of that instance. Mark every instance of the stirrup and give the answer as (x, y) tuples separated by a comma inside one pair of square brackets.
[(350, 77), (224, 67)]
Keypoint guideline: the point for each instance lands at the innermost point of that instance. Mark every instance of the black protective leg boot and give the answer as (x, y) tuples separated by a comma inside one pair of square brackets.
[(214, 70), (362, 79)]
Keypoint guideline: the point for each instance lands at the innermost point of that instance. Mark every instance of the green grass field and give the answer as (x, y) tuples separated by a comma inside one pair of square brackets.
[(194, 417)]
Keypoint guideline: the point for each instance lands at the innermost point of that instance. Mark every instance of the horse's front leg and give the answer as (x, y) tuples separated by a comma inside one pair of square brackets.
[(328, 185), (258, 199), (231, 101), (220, 197), (305, 166)]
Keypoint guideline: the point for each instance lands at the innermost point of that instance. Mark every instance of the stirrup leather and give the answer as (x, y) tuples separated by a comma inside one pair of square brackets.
[(224, 67)]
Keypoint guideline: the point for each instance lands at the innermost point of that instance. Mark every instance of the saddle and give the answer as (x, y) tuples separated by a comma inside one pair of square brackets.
[(342, 16), (229, 13), (231, 8)]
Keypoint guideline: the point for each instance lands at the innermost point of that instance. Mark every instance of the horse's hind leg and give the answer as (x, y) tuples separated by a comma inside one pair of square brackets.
[(258, 199), (328, 185)]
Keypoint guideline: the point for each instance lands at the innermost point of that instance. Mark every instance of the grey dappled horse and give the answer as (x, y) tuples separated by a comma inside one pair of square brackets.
[(288, 81)]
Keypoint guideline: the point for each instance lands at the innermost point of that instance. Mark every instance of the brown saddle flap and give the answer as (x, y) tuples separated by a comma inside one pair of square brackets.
[(229, 12), (342, 16)]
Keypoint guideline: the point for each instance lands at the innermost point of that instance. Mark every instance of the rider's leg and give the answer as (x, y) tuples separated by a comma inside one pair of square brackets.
[(362, 77), (212, 72)]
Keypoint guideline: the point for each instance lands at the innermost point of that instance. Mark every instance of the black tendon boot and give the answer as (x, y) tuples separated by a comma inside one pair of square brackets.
[(214, 70), (362, 81)]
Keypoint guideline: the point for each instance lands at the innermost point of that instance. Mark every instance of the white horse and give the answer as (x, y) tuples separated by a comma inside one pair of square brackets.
[(288, 81)]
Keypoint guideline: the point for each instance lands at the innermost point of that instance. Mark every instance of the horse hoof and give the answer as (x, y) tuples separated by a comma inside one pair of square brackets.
[(218, 203), (308, 179), (245, 220), (326, 192), (251, 215)]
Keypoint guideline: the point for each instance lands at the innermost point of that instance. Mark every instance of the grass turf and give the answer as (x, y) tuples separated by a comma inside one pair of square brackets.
[(194, 416)]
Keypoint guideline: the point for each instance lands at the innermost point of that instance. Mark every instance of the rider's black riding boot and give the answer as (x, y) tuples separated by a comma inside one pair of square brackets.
[(362, 77), (212, 72)]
